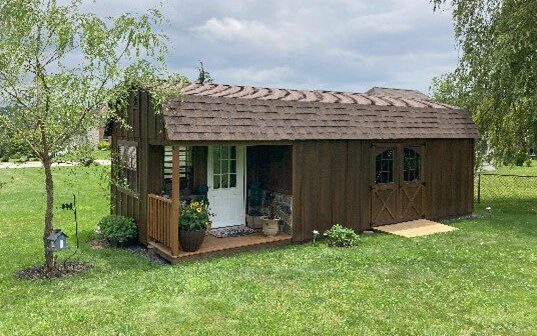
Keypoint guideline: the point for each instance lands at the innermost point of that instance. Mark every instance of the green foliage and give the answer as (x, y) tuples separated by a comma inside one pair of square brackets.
[(117, 229), (496, 79), (194, 216), (203, 75), (520, 158), (13, 147), (103, 145), (54, 99), (82, 154), (340, 236)]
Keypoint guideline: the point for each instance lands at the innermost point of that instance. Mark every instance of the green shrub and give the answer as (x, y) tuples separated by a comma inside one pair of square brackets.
[(341, 237), (520, 158), (117, 229), (103, 146), (528, 163)]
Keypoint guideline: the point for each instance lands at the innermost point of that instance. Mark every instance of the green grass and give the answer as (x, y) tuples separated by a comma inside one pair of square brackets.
[(479, 280), (102, 155), (516, 170)]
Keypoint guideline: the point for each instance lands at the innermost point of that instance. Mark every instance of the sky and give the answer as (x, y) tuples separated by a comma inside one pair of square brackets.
[(346, 45)]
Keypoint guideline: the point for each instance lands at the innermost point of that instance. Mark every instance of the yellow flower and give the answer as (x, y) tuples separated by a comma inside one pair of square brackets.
[(198, 210)]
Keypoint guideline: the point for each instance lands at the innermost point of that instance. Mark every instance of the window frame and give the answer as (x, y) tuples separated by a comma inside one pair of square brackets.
[(379, 150), (418, 149), (131, 172), (217, 160)]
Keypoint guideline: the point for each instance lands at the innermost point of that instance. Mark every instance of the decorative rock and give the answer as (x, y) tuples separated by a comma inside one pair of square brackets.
[(368, 232)]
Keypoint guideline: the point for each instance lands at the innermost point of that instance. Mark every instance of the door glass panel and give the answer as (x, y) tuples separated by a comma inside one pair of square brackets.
[(225, 181), (384, 167), (232, 180), (411, 165), (216, 181), (233, 166), (224, 167)]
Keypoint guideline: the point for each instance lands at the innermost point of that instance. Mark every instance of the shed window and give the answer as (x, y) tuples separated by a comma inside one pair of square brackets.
[(411, 165), (224, 167), (128, 166), (384, 167)]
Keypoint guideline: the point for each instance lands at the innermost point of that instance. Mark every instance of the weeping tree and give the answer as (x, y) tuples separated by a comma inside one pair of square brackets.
[(496, 78), (59, 66)]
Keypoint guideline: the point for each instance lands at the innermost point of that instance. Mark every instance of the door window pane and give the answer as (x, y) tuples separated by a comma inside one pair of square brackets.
[(411, 165), (384, 167), (232, 180), (225, 166)]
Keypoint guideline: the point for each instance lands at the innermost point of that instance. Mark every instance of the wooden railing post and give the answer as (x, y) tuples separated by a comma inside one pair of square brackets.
[(174, 214)]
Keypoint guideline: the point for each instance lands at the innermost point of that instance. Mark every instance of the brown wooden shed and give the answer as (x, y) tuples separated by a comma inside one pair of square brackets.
[(323, 157)]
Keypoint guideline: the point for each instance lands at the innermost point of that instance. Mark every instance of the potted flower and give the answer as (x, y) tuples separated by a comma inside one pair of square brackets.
[(194, 218), (270, 223)]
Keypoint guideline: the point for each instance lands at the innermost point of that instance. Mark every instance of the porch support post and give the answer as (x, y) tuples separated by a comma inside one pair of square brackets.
[(174, 215)]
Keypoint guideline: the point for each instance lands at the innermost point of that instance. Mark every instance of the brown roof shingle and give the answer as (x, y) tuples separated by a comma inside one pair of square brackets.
[(216, 112)]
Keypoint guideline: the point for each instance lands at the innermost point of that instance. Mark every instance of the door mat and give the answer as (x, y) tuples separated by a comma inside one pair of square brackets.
[(232, 231), (415, 228)]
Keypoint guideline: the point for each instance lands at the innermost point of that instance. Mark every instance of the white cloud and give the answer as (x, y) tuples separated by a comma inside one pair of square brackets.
[(337, 44), (257, 76), (230, 29)]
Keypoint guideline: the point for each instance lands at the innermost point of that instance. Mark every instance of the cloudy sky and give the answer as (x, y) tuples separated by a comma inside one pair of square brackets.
[(348, 45)]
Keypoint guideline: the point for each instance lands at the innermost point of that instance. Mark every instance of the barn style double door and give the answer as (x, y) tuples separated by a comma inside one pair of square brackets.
[(397, 184)]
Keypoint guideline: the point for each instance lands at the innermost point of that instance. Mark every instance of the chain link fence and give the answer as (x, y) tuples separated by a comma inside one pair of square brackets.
[(506, 190)]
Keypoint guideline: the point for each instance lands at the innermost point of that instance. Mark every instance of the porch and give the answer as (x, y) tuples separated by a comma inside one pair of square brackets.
[(236, 180)]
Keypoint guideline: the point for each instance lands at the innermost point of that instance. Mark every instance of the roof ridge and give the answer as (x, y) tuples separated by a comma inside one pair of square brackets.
[(219, 90)]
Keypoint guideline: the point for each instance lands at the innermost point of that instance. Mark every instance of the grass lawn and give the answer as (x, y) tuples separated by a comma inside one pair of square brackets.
[(516, 170), (479, 280)]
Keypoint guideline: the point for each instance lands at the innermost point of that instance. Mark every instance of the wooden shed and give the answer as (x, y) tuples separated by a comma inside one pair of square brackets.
[(324, 157)]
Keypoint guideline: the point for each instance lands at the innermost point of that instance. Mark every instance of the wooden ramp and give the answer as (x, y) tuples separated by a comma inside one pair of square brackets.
[(415, 228)]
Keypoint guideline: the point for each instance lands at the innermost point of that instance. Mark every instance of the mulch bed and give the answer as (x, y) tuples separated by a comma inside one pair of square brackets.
[(62, 270)]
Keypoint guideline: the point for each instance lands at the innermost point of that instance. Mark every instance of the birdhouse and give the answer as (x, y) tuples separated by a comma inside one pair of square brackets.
[(57, 240)]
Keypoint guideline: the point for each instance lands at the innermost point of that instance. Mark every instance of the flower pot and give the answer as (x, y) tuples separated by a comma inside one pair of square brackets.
[(254, 222), (191, 240), (270, 226)]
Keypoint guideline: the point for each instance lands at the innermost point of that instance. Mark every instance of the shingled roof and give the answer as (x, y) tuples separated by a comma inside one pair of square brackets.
[(217, 112), (397, 93)]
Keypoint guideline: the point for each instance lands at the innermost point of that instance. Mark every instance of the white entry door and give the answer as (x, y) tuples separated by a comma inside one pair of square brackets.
[(225, 167)]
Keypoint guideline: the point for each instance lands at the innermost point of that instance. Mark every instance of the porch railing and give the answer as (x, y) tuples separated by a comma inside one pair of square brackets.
[(158, 219)]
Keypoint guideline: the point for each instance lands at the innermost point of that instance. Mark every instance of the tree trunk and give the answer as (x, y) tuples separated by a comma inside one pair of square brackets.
[(49, 214)]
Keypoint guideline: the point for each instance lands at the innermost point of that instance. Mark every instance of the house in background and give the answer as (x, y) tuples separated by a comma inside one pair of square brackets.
[(325, 157)]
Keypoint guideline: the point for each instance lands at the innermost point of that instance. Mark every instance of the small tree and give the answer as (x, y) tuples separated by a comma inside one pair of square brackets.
[(60, 66), (203, 75)]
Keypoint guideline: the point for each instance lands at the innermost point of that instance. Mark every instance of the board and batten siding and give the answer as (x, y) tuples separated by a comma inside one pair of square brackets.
[(332, 180)]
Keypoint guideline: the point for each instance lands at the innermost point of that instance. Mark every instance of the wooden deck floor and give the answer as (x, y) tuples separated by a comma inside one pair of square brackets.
[(213, 246)]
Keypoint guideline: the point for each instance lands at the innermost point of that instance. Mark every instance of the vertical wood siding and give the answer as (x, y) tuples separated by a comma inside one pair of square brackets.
[(332, 180)]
